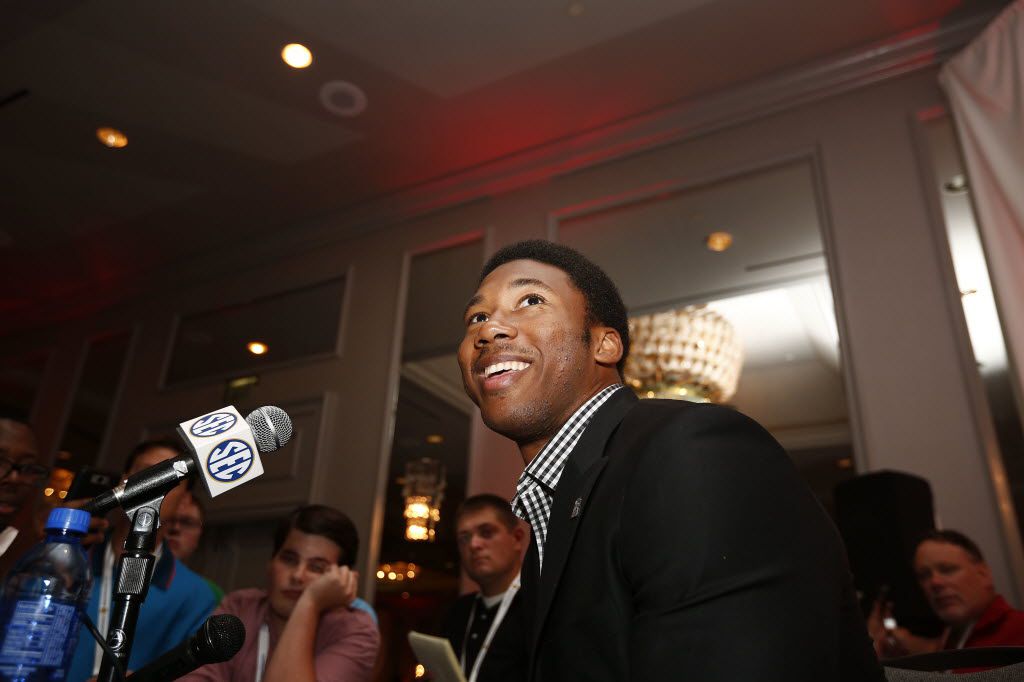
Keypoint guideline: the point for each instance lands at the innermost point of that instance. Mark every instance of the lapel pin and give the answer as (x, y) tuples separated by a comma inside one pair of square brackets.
[(576, 507)]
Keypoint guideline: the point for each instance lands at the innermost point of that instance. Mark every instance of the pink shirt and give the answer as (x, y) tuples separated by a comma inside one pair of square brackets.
[(345, 649)]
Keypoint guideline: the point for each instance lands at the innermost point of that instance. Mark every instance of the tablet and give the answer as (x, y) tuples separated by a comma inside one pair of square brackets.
[(437, 656)]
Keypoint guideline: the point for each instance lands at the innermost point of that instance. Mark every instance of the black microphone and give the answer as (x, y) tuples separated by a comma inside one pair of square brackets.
[(220, 447), (216, 641)]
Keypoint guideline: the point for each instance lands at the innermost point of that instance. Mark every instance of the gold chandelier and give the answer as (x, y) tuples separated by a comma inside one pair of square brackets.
[(691, 353), (423, 489)]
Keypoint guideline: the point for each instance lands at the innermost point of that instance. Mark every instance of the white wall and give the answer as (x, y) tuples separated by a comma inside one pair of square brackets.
[(908, 379)]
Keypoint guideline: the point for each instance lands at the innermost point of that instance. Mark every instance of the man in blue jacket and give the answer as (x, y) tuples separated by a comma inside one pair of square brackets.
[(178, 600)]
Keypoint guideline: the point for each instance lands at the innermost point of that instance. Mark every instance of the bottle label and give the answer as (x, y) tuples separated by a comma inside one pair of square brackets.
[(37, 635)]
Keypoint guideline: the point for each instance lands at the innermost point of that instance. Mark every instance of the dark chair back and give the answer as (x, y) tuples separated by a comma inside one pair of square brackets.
[(931, 667)]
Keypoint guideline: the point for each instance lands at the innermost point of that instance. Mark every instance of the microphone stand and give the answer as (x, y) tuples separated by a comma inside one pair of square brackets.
[(134, 572)]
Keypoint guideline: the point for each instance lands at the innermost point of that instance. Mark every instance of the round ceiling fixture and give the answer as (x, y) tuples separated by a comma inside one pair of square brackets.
[(718, 241), (296, 55), (257, 347), (342, 98), (112, 137)]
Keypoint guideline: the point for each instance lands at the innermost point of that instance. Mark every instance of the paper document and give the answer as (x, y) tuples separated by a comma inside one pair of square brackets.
[(437, 656)]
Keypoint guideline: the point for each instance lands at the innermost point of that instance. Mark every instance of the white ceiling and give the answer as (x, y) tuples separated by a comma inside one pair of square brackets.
[(227, 143), (450, 47)]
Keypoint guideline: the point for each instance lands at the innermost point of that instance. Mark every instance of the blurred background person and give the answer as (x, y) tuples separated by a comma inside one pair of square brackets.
[(183, 530), (21, 477), (485, 627), (957, 582), (178, 600), (306, 624)]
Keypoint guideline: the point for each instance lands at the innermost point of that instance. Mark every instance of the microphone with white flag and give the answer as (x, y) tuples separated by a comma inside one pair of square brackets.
[(224, 450)]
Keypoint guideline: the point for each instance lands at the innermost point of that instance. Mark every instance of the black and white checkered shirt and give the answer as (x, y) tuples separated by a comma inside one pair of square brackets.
[(536, 487)]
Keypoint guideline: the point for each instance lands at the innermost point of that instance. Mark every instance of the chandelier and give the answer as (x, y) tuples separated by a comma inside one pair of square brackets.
[(423, 489), (691, 353)]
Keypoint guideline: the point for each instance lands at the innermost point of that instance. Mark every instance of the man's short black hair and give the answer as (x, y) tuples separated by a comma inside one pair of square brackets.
[(952, 537), (318, 519), (502, 508), (147, 445), (604, 304)]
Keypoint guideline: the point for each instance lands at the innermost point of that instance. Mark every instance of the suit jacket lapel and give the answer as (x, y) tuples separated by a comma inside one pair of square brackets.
[(581, 472)]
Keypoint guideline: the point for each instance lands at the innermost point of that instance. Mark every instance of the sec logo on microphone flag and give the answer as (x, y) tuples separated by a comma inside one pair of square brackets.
[(230, 460), (213, 424)]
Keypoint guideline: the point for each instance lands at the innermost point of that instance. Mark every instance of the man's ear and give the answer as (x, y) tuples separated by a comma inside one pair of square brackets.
[(985, 572), (519, 534), (608, 348)]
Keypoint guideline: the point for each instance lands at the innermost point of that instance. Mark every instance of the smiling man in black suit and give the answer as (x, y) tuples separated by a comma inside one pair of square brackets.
[(670, 540)]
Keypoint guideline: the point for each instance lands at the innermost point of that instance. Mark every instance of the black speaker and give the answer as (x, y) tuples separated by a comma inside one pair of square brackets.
[(881, 515)]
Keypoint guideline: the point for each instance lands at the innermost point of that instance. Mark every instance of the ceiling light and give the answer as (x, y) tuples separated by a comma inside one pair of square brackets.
[(112, 137), (692, 353), (718, 241), (423, 490), (257, 347), (296, 56), (435, 438)]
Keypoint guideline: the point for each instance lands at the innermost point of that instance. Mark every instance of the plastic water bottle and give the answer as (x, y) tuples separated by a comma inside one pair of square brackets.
[(42, 599)]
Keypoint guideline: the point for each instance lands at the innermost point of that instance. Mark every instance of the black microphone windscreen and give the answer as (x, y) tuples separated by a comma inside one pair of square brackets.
[(222, 636)]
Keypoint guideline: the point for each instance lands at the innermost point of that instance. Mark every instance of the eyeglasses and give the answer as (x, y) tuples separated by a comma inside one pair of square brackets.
[(30, 471), (183, 522)]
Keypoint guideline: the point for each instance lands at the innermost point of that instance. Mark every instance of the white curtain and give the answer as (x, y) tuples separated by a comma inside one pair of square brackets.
[(985, 84)]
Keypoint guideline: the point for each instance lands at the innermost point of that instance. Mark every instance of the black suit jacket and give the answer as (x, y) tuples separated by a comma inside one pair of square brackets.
[(683, 544), (506, 658)]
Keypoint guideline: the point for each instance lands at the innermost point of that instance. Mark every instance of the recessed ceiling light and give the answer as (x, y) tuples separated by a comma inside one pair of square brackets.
[(112, 137), (343, 98), (257, 347), (718, 241), (296, 56), (435, 438)]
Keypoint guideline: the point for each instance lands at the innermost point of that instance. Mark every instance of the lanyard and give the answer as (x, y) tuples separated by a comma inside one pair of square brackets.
[(7, 536), (103, 607), (506, 602), (262, 648)]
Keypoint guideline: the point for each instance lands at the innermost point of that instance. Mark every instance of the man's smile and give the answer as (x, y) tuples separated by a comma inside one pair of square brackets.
[(503, 367), (496, 376)]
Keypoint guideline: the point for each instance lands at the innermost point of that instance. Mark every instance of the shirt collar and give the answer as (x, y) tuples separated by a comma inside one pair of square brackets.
[(995, 612), (546, 468)]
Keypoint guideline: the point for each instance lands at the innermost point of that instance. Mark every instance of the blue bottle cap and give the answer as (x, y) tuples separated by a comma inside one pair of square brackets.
[(65, 518)]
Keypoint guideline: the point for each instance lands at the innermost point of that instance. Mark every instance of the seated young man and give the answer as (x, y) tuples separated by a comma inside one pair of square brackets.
[(304, 626)]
